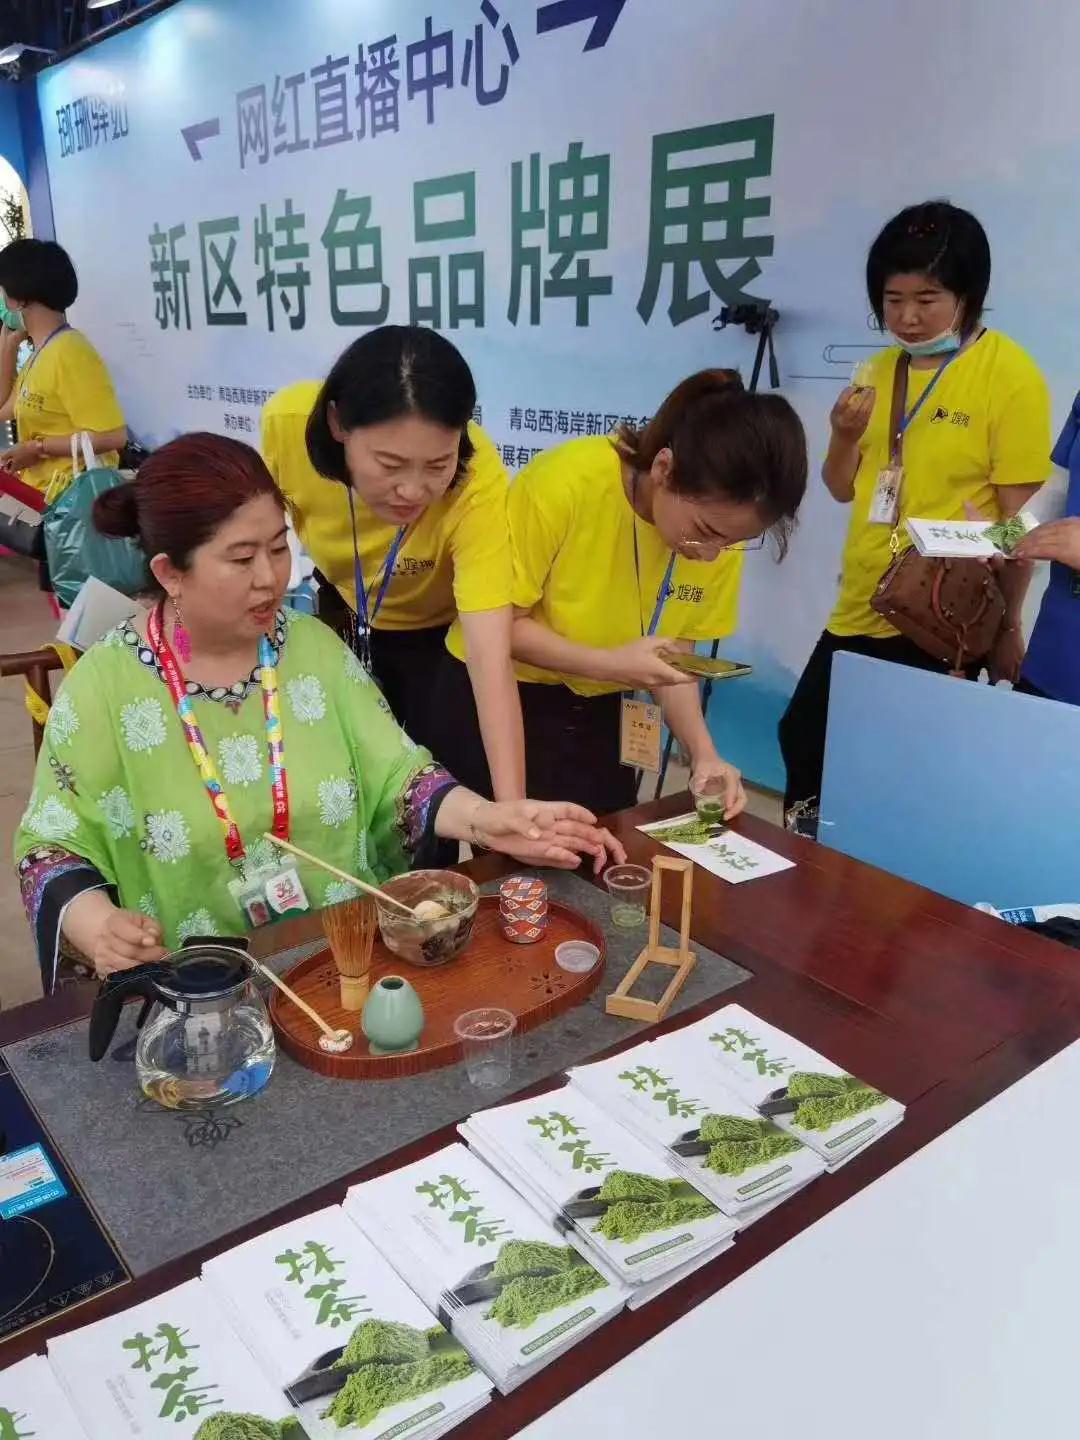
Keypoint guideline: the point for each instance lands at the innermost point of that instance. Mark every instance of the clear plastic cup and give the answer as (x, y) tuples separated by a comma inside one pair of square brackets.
[(487, 1041), (709, 801), (628, 887)]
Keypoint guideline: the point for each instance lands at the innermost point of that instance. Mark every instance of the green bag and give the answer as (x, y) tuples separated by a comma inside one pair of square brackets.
[(74, 550)]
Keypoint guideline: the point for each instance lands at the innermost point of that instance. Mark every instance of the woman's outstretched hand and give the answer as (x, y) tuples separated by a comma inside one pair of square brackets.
[(543, 832)]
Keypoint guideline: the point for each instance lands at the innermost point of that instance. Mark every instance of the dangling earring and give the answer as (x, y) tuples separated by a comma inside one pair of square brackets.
[(181, 638)]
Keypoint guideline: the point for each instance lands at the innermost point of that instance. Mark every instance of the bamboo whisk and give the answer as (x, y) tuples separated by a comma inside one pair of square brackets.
[(350, 928)]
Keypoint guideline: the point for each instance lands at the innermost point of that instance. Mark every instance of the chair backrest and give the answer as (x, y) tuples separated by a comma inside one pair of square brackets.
[(967, 789), (36, 668)]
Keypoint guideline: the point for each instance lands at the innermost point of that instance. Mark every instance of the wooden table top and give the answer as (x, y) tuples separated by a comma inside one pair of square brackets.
[(939, 1005)]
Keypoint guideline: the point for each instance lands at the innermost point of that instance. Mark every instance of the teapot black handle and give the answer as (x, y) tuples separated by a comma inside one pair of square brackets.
[(118, 987)]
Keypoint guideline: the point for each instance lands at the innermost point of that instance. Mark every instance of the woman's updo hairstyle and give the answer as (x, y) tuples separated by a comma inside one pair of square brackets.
[(183, 494), (727, 443)]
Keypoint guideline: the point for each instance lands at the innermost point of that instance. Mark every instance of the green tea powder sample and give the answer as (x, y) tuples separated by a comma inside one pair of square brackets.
[(531, 1257), (386, 1340), (229, 1426), (378, 1385), (830, 1099), (743, 1144), (630, 1220), (522, 1302)]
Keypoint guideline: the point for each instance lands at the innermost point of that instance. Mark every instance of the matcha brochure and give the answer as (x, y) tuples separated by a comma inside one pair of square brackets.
[(508, 1286), (681, 1106), (633, 1212), (315, 1299), (172, 1366), (32, 1405), (834, 1113)]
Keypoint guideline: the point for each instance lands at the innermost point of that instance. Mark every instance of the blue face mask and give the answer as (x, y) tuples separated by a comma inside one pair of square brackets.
[(947, 343)]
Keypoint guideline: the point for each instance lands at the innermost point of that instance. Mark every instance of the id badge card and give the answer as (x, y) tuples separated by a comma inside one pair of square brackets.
[(640, 735), (268, 894), (885, 503)]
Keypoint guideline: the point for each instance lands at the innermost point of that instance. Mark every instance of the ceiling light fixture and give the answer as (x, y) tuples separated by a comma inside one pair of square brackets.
[(11, 53)]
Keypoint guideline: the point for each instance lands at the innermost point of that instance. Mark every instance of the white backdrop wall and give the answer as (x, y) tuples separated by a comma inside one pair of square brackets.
[(795, 128)]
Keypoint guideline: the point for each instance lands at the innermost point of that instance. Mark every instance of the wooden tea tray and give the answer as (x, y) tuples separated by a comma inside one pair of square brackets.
[(491, 970)]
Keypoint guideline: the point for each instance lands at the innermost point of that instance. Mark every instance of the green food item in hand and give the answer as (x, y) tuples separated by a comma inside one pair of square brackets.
[(1007, 534), (743, 1144), (385, 1340), (228, 1425), (527, 1257), (522, 1302), (830, 1099), (629, 1221), (380, 1385)]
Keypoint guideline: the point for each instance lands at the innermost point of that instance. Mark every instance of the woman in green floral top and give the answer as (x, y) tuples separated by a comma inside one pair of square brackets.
[(181, 739)]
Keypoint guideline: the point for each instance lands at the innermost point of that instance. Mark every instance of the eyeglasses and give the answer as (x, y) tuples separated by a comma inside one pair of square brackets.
[(738, 547)]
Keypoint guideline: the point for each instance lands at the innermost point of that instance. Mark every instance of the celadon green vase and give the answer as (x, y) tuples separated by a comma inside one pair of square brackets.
[(393, 1017)]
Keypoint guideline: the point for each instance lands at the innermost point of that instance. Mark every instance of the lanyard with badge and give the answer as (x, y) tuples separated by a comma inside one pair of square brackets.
[(272, 889), (885, 504), (367, 611), (641, 721)]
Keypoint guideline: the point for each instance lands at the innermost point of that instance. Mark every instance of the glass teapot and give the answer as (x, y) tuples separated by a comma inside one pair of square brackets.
[(205, 1038)]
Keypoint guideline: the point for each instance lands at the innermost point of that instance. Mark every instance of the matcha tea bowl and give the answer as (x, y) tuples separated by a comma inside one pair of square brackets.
[(445, 903)]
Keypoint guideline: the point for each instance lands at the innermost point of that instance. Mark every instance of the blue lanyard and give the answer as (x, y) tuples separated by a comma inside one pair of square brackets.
[(907, 419), (665, 584), (367, 613)]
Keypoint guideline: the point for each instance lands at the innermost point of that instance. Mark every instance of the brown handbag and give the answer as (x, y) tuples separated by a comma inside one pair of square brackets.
[(952, 609)]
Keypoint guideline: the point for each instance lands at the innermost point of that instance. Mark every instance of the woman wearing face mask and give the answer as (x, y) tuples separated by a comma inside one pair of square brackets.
[(401, 501), (626, 550), (64, 389), (975, 435)]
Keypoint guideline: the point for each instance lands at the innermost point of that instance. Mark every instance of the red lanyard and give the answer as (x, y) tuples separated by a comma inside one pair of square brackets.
[(200, 753)]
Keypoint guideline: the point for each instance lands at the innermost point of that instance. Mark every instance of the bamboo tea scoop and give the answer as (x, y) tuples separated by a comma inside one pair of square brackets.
[(336, 1040), (342, 875)]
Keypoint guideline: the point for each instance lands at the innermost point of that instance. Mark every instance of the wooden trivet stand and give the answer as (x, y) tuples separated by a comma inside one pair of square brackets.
[(682, 960)]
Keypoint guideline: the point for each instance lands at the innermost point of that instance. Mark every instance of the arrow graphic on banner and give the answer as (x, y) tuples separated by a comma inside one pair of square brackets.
[(204, 130), (603, 14)]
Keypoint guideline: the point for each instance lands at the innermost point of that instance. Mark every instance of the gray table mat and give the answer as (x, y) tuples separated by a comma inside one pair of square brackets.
[(166, 1182)]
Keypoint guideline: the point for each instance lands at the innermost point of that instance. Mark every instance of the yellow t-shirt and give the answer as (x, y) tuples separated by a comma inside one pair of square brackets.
[(572, 534), (456, 557), (64, 388), (986, 423)]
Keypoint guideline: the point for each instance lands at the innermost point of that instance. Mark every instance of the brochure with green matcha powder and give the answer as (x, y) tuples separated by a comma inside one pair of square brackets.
[(682, 1106), (171, 1367), (342, 1335), (511, 1289), (591, 1177), (804, 1093)]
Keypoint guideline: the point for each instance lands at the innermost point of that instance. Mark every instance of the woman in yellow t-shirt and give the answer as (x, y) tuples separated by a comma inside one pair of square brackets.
[(626, 549), (63, 390), (401, 501), (977, 434)]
